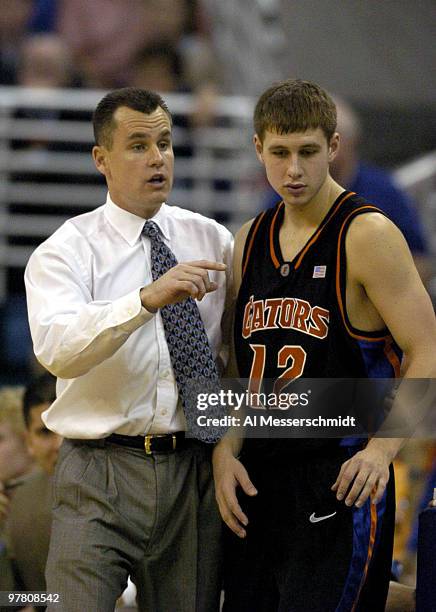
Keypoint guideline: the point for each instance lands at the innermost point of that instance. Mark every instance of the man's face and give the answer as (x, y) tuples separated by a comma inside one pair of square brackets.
[(139, 165), (43, 444), (14, 456), (296, 164)]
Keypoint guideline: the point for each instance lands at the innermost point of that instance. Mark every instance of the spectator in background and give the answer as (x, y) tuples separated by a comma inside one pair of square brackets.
[(14, 21), (44, 16), (375, 185), (29, 521), (44, 62), (105, 37), (159, 67), (15, 465), (15, 460), (163, 67)]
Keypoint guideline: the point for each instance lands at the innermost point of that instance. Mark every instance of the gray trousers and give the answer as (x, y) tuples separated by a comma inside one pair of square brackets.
[(118, 511)]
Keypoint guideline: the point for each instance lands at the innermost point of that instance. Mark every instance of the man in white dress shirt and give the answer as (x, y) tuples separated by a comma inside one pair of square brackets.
[(131, 491)]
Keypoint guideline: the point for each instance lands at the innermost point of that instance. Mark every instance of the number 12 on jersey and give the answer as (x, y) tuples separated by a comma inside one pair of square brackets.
[(291, 357)]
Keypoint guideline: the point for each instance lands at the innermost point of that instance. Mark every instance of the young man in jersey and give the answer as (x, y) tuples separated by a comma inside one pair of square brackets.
[(341, 298)]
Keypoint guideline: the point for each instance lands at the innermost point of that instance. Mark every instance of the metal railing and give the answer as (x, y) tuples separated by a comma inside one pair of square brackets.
[(47, 173)]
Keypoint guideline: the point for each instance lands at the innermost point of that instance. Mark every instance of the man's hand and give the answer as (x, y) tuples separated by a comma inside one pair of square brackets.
[(229, 473), (185, 280), (368, 470)]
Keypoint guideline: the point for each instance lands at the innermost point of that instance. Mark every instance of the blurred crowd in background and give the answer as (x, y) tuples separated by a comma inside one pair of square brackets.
[(172, 46), (156, 44)]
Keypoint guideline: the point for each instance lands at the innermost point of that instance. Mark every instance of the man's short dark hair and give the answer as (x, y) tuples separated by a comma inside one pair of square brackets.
[(137, 99), (295, 106), (41, 390)]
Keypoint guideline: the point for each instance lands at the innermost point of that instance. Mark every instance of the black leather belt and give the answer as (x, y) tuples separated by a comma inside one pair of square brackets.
[(151, 443)]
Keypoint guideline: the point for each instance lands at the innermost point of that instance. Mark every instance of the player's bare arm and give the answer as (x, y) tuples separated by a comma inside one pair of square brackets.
[(240, 240), (229, 473), (383, 285)]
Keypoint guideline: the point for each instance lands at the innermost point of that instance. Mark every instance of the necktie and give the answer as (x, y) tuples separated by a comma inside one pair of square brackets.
[(191, 356)]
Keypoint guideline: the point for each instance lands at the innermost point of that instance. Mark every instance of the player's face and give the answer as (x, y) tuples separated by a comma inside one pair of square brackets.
[(43, 444), (297, 164), (139, 166)]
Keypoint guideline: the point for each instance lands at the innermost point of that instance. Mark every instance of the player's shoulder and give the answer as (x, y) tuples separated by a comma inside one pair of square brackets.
[(251, 226), (374, 244), (240, 242), (242, 233), (371, 228)]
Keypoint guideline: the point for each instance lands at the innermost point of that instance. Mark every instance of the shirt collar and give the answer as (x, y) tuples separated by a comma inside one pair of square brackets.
[(129, 225)]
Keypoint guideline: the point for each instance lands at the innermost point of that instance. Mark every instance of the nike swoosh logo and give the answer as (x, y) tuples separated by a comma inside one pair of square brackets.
[(317, 519)]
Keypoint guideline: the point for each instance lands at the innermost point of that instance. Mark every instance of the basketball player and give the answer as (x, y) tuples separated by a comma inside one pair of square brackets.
[(327, 288)]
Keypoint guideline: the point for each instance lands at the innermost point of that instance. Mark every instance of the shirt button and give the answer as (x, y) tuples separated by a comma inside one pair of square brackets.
[(166, 374), (164, 411), (129, 311)]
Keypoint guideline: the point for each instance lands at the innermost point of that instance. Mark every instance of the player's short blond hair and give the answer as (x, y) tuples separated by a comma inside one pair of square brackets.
[(294, 106), (11, 408)]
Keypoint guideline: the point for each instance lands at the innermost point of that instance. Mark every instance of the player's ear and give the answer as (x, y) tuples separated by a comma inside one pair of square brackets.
[(259, 148), (99, 157), (333, 146)]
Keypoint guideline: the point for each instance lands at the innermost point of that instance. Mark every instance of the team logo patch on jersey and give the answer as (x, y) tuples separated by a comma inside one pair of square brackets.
[(285, 269), (319, 271)]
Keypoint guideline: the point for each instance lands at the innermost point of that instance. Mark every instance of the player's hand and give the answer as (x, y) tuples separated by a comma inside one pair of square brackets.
[(229, 473), (185, 280), (4, 503), (366, 472)]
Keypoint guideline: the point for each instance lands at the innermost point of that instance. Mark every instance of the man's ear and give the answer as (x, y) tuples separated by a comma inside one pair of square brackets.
[(99, 157), (334, 146), (259, 148)]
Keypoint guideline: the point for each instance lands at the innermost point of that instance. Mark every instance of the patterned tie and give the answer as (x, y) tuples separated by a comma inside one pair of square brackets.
[(191, 356)]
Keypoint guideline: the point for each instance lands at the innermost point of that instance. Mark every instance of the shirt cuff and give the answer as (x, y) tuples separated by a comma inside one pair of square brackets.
[(129, 312)]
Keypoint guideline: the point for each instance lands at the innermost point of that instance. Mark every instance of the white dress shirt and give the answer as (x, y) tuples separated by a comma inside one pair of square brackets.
[(89, 327)]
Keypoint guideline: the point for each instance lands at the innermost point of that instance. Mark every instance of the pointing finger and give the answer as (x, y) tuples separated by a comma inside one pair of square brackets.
[(208, 265)]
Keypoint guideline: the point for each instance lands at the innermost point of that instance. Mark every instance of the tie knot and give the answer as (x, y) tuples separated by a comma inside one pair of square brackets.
[(150, 229)]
